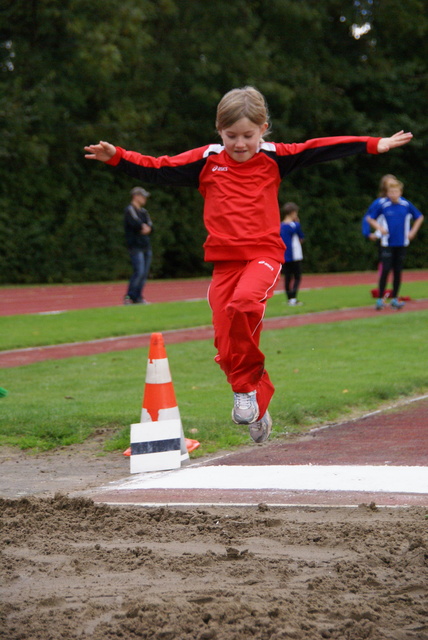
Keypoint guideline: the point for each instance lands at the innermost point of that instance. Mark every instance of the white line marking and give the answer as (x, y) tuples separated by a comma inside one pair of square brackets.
[(383, 479)]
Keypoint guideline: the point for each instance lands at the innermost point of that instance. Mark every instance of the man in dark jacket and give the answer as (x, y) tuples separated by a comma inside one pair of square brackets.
[(138, 227)]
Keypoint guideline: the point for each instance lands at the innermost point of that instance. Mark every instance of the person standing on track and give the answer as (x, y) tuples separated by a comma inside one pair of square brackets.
[(138, 227), (392, 217), (292, 235), (239, 181), (375, 236)]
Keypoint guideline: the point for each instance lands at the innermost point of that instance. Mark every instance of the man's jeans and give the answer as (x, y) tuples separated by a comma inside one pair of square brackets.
[(141, 261)]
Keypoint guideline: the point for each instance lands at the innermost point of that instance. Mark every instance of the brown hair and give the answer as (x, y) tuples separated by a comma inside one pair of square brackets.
[(289, 207), (384, 183), (247, 102)]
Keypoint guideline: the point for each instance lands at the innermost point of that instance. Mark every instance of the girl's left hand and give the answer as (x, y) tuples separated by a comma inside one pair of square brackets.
[(397, 140)]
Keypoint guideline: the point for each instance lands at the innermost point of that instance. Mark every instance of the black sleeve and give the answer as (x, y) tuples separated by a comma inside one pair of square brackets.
[(183, 176)]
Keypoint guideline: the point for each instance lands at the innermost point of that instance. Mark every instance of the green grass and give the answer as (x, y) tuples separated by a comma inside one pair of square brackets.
[(34, 330), (321, 373)]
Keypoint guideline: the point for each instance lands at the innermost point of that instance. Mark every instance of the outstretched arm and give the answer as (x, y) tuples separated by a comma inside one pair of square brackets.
[(102, 151), (397, 140)]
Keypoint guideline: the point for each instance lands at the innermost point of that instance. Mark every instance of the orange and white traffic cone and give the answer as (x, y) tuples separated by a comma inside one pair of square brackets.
[(159, 401), (158, 439)]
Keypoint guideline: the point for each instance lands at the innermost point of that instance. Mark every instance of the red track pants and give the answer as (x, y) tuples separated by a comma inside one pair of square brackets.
[(237, 295)]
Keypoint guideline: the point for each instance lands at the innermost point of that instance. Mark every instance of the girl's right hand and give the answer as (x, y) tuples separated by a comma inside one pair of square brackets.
[(102, 151)]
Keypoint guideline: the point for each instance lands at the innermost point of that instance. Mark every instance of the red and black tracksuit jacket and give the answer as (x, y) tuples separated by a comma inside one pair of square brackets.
[(241, 211)]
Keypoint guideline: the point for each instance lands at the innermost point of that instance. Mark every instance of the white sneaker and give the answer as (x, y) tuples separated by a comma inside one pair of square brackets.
[(245, 409), (260, 430)]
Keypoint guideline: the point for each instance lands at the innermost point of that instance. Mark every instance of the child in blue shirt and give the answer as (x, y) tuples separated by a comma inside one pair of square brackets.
[(392, 216), (292, 235)]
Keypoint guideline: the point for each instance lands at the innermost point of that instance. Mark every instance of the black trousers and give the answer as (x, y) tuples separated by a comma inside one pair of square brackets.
[(293, 275), (392, 258)]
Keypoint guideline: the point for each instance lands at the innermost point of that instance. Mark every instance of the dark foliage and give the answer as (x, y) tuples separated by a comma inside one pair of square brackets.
[(147, 75)]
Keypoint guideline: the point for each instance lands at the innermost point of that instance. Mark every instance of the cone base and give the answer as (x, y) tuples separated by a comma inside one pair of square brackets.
[(191, 445)]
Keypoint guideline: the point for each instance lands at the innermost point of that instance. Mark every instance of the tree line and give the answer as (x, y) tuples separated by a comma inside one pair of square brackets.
[(148, 74)]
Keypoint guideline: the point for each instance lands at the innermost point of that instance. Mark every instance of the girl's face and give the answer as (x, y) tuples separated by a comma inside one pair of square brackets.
[(394, 194), (242, 139)]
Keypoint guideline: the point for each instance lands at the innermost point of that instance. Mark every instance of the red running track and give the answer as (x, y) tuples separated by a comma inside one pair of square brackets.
[(50, 298)]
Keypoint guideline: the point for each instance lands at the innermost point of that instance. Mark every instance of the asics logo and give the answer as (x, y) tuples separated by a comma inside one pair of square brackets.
[(269, 266), (217, 168)]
